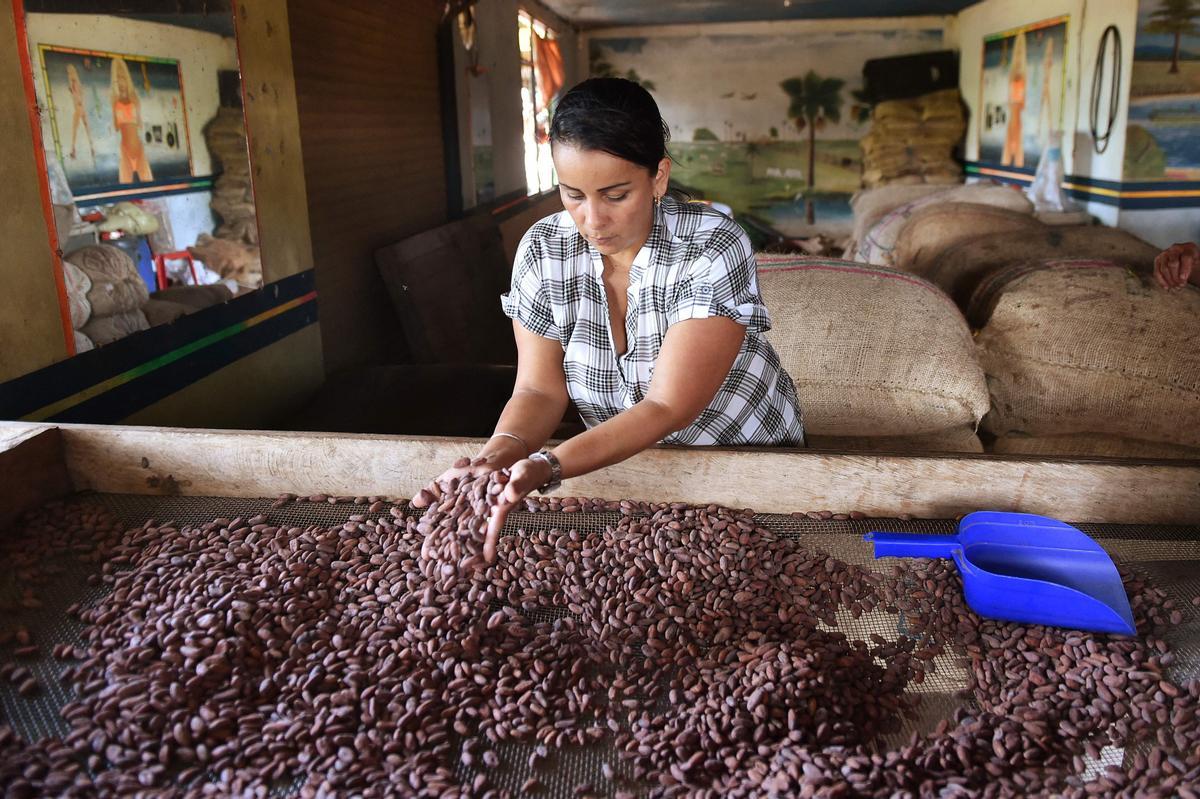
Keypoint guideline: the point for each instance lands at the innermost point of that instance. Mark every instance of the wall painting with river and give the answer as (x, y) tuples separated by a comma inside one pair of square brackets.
[(1163, 136)]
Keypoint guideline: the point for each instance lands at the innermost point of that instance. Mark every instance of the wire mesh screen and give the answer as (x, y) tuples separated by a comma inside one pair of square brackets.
[(1168, 556)]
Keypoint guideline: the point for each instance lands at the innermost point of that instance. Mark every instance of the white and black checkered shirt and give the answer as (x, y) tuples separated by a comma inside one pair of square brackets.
[(696, 263)]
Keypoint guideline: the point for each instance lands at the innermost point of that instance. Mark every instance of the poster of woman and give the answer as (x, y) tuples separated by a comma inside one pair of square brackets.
[(1021, 94), (115, 120)]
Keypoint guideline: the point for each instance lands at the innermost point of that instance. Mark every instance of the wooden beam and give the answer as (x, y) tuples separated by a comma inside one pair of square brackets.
[(32, 468), (152, 460)]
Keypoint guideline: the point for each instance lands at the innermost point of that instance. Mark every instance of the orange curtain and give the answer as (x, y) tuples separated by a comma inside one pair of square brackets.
[(548, 63)]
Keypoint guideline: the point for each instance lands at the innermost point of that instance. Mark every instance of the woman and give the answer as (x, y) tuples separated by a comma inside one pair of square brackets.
[(1014, 141), (127, 120), (641, 309), (79, 116)]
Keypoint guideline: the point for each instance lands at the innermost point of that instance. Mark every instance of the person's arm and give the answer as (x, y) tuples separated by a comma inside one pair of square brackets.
[(537, 404), (1178, 265), (695, 359)]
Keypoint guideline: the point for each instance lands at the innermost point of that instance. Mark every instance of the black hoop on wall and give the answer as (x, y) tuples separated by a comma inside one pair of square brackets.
[(1100, 139)]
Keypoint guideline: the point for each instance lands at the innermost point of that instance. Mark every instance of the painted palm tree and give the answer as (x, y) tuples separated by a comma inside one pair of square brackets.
[(814, 102), (1176, 17), (753, 150)]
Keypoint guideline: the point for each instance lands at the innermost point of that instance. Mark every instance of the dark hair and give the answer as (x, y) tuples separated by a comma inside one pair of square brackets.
[(615, 116)]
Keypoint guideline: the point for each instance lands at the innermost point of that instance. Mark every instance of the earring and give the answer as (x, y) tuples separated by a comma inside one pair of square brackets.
[(657, 200)]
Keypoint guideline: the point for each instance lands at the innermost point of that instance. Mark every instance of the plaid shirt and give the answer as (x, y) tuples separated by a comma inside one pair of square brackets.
[(696, 263)]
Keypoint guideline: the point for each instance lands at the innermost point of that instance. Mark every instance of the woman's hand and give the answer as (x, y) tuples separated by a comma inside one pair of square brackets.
[(1176, 264), (463, 467), (500, 452), (525, 475)]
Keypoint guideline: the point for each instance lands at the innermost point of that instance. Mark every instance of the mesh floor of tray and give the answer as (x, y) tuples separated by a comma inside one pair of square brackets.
[(1168, 556)]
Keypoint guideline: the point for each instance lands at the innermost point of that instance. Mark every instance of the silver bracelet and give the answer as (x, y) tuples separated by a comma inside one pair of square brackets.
[(515, 438)]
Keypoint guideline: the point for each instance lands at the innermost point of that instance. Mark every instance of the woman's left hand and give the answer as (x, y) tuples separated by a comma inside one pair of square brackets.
[(524, 476)]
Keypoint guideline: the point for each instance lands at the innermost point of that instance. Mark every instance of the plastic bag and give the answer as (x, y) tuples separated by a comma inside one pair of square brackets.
[(1047, 191)]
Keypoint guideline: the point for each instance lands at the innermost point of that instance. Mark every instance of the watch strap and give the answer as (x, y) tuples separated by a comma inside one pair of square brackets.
[(547, 457)]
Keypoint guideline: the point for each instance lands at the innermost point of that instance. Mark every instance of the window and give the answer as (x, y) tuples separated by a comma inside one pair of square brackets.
[(541, 79)]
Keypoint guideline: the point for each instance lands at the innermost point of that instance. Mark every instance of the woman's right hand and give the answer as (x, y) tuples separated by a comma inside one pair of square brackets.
[(463, 467), (498, 453), (1176, 264)]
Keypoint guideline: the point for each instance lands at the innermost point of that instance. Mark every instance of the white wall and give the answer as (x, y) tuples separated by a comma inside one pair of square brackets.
[(200, 55), (499, 55), (1088, 19)]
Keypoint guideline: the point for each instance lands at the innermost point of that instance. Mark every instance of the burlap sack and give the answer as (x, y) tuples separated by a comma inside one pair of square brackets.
[(195, 297), (942, 176), (871, 205), (107, 329), (77, 284), (873, 352), (959, 439), (116, 285), (1078, 346), (942, 101), (897, 110), (932, 230), (82, 343), (877, 245), (960, 269), (1089, 445), (162, 312), (233, 193), (232, 260)]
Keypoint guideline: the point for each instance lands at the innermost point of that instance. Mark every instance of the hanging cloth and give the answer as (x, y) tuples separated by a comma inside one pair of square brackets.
[(548, 64)]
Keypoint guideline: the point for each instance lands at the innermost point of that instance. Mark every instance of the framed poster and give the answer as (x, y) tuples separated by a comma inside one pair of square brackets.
[(1022, 92), (115, 119)]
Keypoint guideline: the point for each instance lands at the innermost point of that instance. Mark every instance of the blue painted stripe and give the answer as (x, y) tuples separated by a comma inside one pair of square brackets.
[(25, 394), (103, 195), (115, 405), (1184, 194)]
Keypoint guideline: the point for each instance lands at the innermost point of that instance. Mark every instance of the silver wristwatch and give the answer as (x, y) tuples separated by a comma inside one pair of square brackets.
[(545, 456)]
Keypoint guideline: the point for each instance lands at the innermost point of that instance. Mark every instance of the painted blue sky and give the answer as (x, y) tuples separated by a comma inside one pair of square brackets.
[(1154, 46), (730, 84)]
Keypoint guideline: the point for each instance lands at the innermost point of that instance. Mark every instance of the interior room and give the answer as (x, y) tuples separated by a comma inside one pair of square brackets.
[(520, 398)]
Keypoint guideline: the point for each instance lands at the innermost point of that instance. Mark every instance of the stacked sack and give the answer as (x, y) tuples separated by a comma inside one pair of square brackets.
[(913, 141), (871, 205), (232, 260), (232, 251), (959, 269), (77, 285), (877, 244), (882, 361), (1088, 357), (934, 229), (233, 194), (105, 294)]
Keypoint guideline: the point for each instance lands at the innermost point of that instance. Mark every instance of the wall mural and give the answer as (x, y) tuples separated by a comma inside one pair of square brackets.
[(1022, 92), (115, 119), (1162, 140), (750, 113)]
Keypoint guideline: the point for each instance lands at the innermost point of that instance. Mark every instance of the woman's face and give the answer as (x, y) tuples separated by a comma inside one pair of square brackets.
[(610, 199)]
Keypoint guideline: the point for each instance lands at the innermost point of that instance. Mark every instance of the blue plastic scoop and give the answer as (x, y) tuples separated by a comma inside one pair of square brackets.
[(1025, 568)]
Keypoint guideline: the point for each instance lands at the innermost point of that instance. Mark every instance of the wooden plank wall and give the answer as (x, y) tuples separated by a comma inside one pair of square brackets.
[(371, 131)]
